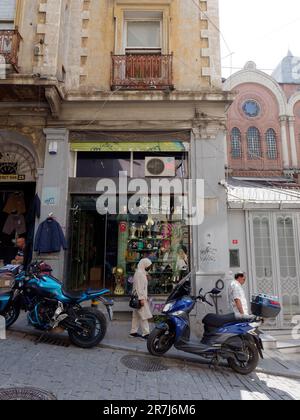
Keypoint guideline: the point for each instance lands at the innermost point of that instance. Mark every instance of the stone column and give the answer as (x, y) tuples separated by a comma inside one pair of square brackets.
[(52, 31), (284, 142), (54, 191), (210, 241), (293, 142)]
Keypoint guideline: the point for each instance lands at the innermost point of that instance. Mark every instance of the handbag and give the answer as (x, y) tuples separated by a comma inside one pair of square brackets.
[(134, 302)]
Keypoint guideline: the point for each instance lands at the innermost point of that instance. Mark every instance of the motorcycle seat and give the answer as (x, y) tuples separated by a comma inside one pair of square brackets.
[(218, 321), (73, 295), (78, 294)]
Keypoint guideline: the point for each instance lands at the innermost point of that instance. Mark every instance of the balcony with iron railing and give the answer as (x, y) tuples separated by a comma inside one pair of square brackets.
[(9, 47), (142, 72)]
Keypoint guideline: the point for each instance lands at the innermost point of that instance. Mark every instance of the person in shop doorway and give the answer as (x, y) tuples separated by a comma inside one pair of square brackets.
[(237, 296), (20, 257), (141, 317)]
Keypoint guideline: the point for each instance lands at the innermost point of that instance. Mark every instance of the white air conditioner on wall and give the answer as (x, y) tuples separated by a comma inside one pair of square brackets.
[(160, 167)]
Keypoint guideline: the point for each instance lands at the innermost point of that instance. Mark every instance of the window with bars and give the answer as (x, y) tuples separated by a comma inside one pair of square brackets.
[(271, 144), (254, 143), (236, 143)]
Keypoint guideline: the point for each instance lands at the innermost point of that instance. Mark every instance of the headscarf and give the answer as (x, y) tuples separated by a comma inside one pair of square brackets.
[(143, 265)]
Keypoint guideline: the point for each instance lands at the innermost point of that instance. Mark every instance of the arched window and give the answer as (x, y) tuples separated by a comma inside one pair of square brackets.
[(271, 144), (254, 143), (236, 143)]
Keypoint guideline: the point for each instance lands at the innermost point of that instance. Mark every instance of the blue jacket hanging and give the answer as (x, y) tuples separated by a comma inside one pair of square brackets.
[(49, 238)]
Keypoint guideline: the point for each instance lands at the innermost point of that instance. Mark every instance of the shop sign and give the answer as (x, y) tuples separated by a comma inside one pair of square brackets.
[(172, 146), (16, 163), (9, 172)]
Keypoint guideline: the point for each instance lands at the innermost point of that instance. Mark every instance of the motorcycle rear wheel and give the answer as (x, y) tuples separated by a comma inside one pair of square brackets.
[(245, 368), (159, 342), (95, 325), (11, 315)]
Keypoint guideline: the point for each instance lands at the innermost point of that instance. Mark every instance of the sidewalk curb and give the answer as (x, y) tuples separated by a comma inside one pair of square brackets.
[(203, 363)]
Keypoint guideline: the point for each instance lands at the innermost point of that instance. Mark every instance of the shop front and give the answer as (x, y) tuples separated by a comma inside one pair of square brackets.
[(106, 248), (17, 201)]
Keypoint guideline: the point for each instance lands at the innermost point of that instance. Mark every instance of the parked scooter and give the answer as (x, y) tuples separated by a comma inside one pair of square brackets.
[(50, 306), (227, 337)]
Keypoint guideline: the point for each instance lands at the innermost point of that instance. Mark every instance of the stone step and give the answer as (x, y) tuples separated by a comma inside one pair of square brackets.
[(289, 346), (269, 342)]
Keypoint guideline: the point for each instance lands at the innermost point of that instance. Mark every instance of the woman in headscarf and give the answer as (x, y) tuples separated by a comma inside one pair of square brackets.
[(140, 318)]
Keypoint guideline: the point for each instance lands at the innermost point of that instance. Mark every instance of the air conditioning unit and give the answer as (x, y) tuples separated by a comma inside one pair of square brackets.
[(160, 167)]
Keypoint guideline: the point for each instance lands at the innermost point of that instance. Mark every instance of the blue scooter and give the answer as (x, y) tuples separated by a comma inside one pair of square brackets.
[(227, 337)]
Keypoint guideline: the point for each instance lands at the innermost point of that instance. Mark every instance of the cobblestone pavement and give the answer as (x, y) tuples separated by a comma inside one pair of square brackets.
[(99, 374)]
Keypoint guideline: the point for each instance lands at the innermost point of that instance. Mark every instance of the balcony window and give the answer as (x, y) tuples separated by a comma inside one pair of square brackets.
[(7, 14), (143, 65), (143, 32)]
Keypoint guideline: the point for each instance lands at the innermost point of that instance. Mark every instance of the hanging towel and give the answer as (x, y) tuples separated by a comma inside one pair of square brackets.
[(49, 238)]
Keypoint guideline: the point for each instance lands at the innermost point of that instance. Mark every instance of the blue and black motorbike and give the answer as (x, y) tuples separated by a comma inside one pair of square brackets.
[(232, 338), (50, 307)]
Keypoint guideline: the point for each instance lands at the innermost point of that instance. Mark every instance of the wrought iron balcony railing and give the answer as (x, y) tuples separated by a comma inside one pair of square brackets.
[(9, 46), (142, 72)]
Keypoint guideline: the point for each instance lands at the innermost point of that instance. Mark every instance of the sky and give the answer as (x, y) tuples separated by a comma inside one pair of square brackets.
[(258, 30)]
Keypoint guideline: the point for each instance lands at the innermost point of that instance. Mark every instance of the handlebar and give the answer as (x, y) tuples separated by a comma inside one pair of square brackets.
[(204, 300)]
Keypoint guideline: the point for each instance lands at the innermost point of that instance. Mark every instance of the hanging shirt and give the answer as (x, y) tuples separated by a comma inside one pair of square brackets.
[(236, 291), (15, 223)]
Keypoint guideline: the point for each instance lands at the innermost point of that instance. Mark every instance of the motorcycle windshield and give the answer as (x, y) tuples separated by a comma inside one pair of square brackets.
[(182, 289)]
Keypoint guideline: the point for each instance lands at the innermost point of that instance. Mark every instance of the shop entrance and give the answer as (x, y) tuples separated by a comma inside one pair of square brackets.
[(94, 247), (16, 200)]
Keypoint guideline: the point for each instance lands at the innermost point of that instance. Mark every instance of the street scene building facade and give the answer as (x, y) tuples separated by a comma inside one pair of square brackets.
[(263, 181), (92, 88)]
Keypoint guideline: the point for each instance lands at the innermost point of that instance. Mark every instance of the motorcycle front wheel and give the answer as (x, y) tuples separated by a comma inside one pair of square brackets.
[(159, 342), (245, 367), (11, 315), (94, 328)]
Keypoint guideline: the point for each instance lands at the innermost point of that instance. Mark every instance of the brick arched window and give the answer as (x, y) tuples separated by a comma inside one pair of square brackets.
[(254, 143), (271, 140), (236, 143)]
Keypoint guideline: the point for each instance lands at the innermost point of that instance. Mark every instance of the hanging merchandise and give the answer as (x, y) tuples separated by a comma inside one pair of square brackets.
[(33, 213), (15, 223), (50, 237), (15, 204)]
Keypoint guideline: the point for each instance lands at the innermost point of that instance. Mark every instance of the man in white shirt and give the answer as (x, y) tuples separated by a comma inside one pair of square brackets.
[(237, 296)]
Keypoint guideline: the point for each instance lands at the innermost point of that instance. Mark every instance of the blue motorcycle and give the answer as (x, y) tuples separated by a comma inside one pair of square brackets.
[(235, 339), (50, 307)]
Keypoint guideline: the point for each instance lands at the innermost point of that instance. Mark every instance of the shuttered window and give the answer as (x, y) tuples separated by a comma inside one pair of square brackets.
[(7, 14)]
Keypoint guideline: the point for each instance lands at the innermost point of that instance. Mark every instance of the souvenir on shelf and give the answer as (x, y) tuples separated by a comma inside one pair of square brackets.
[(133, 231), (119, 278)]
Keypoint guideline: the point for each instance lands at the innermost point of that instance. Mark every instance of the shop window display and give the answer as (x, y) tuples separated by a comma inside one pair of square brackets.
[(105, 251)]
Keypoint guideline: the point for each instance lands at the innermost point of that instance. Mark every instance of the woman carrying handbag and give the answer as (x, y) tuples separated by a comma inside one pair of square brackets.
[(139, 301)]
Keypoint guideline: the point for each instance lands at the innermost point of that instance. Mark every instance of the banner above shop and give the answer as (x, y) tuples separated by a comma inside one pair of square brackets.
[(175, 146)]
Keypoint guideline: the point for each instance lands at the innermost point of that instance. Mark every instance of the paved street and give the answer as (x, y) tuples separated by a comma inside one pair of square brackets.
[(99, 374)]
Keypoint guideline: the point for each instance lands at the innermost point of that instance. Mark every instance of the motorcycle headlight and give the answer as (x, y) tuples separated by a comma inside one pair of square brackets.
[(168, 308)]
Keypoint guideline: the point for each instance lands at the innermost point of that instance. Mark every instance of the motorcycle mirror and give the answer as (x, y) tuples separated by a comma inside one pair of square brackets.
[(215, 292)]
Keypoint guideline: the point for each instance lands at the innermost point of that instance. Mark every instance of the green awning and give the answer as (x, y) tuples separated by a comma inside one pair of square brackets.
[(172, 146)]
